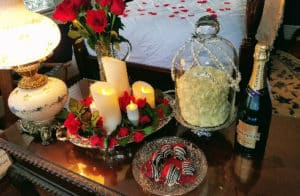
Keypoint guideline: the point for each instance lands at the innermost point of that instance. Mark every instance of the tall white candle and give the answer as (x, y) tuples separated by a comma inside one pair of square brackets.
[(143, 90), (107, 104), (116, 74), (133, 113)]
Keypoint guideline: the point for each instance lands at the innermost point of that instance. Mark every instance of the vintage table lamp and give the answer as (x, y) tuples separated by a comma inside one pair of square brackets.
[(27, 38)]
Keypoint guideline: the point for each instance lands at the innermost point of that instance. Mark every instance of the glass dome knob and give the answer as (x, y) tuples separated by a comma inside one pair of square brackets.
[(207, 25)]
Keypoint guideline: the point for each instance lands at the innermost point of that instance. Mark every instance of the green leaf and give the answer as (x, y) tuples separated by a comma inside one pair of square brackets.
[(123, 141), (114, 34), (62, 115), (95, 117), (105, 144), (147, 130), (158, 93), (74, 34), (166, 109), (79, 40), (75, 107), (147, 110)]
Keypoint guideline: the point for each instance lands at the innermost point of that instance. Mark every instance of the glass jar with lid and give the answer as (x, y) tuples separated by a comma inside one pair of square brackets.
[(206, 79)]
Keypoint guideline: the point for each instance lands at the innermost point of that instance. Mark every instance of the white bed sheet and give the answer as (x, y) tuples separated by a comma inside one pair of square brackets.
[(157, 28)]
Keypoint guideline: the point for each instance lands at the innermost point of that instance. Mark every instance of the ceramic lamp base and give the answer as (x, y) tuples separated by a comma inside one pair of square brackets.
[(37, 107)]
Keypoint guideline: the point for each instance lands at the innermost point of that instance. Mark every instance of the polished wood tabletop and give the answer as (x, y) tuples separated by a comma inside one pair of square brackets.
[(277, 173)]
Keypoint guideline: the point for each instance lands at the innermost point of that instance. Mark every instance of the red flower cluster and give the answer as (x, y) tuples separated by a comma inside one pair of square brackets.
[(94, 20), (69, 10), (85, 123), (72, 123), (125, 100)]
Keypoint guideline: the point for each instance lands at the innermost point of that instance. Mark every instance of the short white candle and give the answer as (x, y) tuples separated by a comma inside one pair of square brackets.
[(116, 74), (143, 90), (133, 113), (107, 104)]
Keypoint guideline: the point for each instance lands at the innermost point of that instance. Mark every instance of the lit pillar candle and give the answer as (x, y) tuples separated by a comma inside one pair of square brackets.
[(143, 90), (133, 113), (116, 74), (107, 104)]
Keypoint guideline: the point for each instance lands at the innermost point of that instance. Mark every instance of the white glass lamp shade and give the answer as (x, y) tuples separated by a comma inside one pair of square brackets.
[(25, 36), (39, 104)]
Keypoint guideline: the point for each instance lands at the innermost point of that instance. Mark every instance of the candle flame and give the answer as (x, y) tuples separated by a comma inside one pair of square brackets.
[(132, 106), (145, 90), (106, 91)]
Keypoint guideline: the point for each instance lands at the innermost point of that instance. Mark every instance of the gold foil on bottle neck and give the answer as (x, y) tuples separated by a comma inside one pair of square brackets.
[(261, 51), (261, 56)]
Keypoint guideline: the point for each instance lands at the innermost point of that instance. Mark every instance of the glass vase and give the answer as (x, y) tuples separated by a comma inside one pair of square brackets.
[(119, 51)]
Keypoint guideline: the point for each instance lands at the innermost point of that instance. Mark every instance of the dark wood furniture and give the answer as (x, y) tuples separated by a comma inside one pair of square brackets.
[(64, 169)]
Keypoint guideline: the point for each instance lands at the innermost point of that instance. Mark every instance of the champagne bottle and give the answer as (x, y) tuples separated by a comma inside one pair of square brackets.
[(255, 109)]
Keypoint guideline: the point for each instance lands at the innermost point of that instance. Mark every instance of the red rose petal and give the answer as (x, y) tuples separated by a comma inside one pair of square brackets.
[(185, 10), (228, 8), (144, 3), (166, 5), (214, 15), (152, 13), (221, 9), (176, 12), (191, 15), (227, 2), (174, 7), (208, 9), (171, 16)]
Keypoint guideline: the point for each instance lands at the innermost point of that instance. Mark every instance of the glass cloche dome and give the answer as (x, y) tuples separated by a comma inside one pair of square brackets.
[(206, 79)]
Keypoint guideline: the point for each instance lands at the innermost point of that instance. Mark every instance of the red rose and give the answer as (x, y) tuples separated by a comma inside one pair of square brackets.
[(100, 123), (112, 142), (95, 140), (138, 136), (102, 142), (65, 12), (164, 101), (104, 3), (72, 124), (144, 119), (123, 132), (81, 3), (117, 7), (160, 112), (87, 101), (141, 102), (97, 20), (125, 100)]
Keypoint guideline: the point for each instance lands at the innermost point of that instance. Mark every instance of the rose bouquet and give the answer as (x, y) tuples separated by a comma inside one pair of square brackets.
[(98, 21), (81, 121)]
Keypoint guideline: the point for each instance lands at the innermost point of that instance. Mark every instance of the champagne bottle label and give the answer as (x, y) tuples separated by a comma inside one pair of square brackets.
[(247, 135)]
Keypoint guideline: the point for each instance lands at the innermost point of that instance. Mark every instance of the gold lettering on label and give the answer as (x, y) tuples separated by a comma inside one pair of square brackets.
[(247, 135)]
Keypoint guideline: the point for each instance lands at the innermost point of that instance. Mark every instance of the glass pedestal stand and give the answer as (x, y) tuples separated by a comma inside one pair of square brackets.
[(204, 131)]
